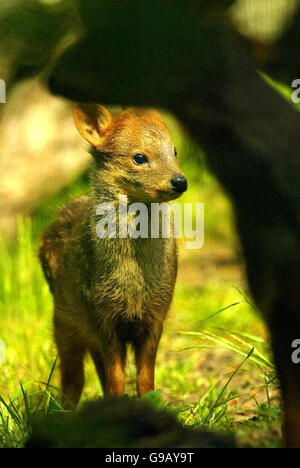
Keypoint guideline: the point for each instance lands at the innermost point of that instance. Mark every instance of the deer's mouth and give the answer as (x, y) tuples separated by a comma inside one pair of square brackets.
[(167, 195)]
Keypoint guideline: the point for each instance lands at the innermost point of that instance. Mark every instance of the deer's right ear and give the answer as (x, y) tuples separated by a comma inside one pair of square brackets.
[(92, 120)]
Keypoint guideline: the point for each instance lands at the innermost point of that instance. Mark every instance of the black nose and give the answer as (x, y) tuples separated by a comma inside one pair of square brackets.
[(179, 183)]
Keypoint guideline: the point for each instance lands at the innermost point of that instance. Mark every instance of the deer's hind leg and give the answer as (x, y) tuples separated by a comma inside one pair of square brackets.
[(71, 352)]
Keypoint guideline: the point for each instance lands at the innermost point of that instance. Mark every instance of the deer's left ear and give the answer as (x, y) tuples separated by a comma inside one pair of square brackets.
[(92, 121)]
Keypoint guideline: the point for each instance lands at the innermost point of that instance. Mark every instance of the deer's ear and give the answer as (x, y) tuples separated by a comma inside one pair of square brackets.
[(92, 120)]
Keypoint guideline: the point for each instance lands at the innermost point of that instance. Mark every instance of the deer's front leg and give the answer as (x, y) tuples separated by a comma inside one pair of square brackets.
[(114, 363), (145, 348)]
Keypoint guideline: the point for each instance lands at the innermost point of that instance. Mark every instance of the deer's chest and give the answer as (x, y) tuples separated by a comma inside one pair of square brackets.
[(138, 276)]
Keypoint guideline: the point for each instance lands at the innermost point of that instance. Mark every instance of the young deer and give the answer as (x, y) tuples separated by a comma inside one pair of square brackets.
[(112, 291)]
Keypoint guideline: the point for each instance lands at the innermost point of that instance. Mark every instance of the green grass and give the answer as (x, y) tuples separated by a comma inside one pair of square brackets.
[(214, 365)]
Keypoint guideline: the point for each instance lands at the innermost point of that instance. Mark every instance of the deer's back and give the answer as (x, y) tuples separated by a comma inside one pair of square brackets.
[(60, 238)]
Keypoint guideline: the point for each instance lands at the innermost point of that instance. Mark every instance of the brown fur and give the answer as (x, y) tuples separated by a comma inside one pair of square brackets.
[(110, 292)]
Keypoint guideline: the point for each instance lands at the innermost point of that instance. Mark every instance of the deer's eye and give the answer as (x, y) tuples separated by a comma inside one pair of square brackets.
[(175, 152), (140, 159)]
